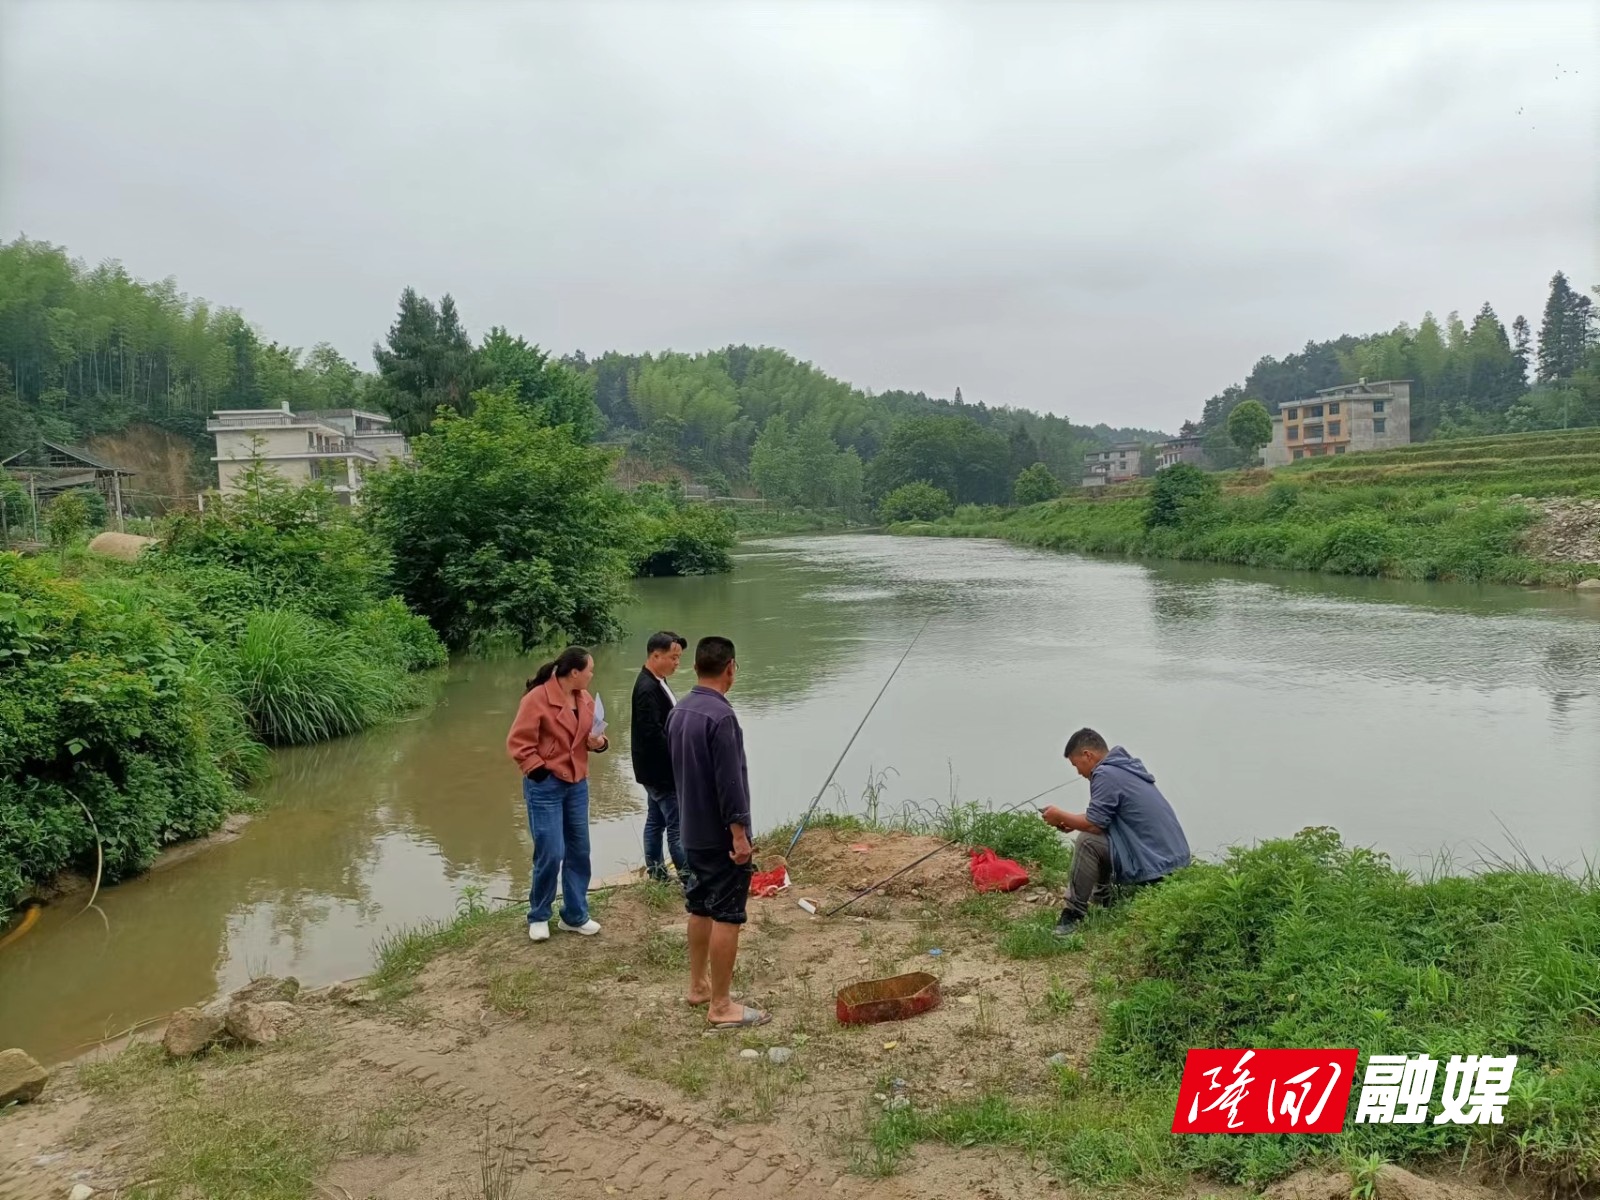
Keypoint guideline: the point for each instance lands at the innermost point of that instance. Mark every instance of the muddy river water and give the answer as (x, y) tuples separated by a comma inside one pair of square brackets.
[(1440, 723)]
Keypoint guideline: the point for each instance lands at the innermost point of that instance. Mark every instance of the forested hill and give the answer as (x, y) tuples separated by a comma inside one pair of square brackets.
[(1466, 379), (93, 355)]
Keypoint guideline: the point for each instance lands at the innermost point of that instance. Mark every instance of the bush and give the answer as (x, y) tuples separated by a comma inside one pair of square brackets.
[(109, 731), (502, 526), (401, 637), (1306, 942), (304, 680), (692, 540), (1036, 485), (1181, 494), (274, 546), (914, 502)]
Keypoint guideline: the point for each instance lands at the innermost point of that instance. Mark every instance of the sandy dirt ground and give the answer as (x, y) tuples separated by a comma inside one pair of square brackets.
[(576, 1069)]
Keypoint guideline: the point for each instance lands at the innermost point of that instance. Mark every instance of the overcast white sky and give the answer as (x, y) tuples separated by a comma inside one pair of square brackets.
[(1105, 210)]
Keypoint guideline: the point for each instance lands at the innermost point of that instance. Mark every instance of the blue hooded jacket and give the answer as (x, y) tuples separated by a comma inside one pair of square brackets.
[(1146, 840)]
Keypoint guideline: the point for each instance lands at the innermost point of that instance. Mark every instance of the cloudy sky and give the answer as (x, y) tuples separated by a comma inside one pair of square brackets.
[(1106, 210)]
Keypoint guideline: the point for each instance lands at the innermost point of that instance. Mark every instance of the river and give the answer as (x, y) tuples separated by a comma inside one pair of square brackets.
[(1437, 722)]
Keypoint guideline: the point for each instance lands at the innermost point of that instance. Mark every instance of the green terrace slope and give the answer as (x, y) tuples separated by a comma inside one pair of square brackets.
[(1452, 510)]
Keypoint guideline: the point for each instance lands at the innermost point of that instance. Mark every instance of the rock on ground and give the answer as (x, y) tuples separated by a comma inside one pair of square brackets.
[(21, 1079), (1311, 1185), (1589, 585), (268, 987), (1395, 1183), (1568, 531), (190, 1031), (253, 1024), (81, 1191)]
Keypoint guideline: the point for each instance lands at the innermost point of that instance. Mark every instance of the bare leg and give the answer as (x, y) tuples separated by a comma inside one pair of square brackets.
[(699, 955), (724, 949)]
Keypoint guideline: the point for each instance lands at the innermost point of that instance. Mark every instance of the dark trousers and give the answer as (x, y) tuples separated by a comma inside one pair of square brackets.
[(1091, 875), (661, 818), (1091, 881)]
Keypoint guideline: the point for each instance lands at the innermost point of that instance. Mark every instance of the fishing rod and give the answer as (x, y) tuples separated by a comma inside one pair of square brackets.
[(810, 905), (806, 819)]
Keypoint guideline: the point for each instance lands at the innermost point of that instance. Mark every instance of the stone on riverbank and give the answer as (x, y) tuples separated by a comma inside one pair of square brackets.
[(21, 1079), (252, 1024), (267, 988), (191, 1031), (1589, 585)]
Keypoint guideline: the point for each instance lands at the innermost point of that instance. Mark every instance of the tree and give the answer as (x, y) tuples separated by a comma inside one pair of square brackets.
[(917, 501), (66, 518), (426, 362), (554, 394), (504, 526), (1564, 334), (954, 454), (1521, 348), (1036, 485), (1250, 428)]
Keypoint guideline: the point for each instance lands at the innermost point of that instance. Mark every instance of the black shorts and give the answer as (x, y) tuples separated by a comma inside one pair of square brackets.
[(721, 886)]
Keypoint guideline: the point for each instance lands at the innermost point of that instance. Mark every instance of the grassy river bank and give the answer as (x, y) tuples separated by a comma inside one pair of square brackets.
[(471, 1064), (1519, 509)]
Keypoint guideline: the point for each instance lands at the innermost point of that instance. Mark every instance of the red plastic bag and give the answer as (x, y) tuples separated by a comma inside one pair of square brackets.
[(770, 883), (991, 873)]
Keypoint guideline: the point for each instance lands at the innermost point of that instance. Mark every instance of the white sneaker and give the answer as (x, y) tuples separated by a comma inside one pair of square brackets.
[(588, 928), (538, 931)]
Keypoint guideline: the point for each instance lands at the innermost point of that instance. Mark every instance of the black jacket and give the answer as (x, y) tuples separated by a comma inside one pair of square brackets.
[(652, 762)]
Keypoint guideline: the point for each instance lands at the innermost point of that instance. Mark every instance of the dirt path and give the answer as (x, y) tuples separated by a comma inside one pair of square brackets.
[(504, 1070)]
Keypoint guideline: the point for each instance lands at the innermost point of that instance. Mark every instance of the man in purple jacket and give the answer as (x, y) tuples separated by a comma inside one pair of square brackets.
[(713, 783)]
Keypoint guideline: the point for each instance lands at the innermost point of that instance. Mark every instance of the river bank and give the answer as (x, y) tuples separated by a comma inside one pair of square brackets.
[(470, 1063), (384, 828), (1521, 509)]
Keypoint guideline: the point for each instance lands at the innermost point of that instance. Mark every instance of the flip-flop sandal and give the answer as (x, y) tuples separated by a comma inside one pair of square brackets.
[(701, 1003), (751, 1018)]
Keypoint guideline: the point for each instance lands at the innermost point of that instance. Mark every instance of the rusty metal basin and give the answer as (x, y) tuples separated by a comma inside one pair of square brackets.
[(891, 999)]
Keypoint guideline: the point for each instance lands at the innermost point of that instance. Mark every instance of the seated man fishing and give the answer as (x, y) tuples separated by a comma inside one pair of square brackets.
[(1129, 834)]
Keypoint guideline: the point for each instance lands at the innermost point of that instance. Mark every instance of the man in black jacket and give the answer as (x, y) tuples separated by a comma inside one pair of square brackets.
[(652, 762)]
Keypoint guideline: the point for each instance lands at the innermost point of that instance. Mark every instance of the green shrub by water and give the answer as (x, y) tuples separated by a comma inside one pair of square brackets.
[(109, 732), (304, 680), (1306, 942), (135, 699)]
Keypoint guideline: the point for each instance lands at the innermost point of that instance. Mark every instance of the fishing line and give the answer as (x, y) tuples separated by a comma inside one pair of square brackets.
[(820, 791)]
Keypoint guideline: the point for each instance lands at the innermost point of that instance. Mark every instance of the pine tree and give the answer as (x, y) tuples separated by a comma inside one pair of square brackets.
[(1564, 333), (1521, 348)]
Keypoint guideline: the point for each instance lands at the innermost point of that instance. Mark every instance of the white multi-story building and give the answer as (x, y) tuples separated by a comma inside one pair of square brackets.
[(332, 445)]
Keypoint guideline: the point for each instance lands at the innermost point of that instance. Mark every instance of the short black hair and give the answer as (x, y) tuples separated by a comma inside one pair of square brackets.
[(712, 656), (664, 641), (1084, 739)]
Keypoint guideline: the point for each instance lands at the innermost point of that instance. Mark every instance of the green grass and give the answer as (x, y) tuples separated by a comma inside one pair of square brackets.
[(305, 680), (258, 1142), (1305, 942), (1439, 510), (400, 954)]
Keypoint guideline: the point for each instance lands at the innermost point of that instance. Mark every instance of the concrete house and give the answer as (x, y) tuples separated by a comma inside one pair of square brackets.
[(331, 445), (1185, 448), (1115, 465), (1342, 420)]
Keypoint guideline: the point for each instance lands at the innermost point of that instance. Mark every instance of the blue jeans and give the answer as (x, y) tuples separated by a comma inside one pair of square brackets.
[(661, 816), (558, 819)]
